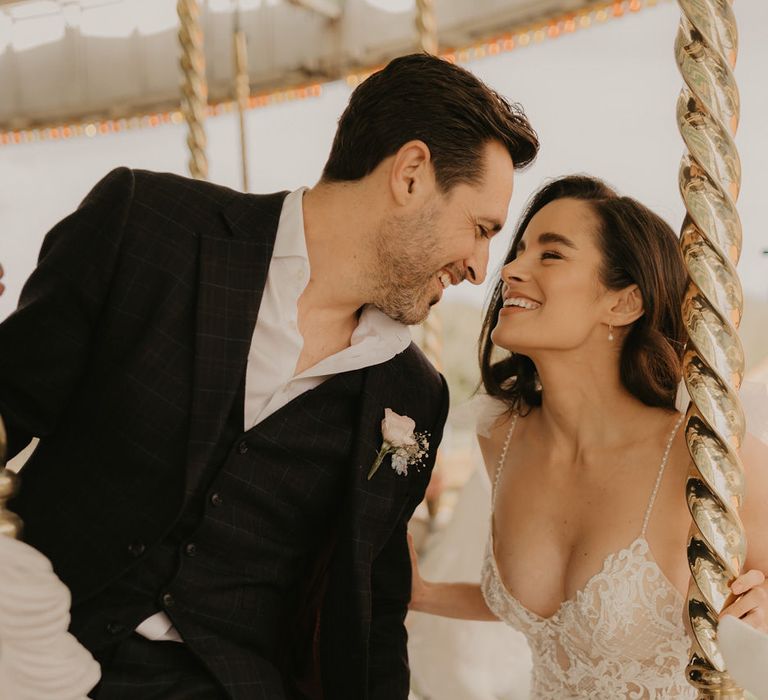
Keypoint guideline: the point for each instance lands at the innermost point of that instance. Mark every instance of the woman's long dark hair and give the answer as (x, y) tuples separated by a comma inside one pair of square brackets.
[(638, 247)]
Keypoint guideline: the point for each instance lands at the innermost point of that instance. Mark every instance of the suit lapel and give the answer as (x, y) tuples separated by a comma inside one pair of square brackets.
[(233, 267), (373, 509), (374, 500)]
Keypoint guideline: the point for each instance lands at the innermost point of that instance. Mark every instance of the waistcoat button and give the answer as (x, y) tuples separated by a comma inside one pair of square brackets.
[(242, 447), (168, 600), (216, 500), (190, 549), (136, 548), (115, 628)]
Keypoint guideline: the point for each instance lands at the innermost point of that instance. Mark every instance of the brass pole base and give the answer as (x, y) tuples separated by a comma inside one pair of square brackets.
[(712, 684)]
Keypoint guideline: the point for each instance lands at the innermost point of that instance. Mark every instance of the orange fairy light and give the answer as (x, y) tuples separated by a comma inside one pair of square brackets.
[(522, 37)]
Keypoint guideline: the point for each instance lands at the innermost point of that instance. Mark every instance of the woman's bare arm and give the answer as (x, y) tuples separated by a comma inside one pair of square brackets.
[(462, 601)]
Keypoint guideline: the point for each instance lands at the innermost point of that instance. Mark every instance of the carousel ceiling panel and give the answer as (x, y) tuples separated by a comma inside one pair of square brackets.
[(80, 59)]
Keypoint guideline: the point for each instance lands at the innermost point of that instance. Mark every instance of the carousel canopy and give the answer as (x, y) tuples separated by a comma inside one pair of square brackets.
[(77, 60)]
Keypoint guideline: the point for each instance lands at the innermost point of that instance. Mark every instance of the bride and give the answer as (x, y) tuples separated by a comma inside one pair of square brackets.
[(586, 553)]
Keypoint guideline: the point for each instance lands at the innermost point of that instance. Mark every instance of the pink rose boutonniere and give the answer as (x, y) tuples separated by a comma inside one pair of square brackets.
[(407, 447)]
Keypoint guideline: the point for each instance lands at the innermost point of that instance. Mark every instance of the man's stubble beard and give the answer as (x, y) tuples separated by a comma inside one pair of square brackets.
[(405, 266)]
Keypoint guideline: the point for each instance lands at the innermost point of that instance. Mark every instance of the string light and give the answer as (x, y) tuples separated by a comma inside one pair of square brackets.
[(509, 41)]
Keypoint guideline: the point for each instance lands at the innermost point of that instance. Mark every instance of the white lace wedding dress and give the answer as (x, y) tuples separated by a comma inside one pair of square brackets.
[(621, 636), (456, 660)]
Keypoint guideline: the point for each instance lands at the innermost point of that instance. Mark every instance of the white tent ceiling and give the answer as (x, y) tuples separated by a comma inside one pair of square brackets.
[(72, 60)]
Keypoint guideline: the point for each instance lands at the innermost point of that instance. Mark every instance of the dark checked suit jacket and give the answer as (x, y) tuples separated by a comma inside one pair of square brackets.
[(124, 356)]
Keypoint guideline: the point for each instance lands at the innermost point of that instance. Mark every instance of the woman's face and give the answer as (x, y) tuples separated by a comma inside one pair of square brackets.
[(553, 297)]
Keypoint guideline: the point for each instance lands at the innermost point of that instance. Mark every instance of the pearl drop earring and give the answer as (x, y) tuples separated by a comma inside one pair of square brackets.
[(610, 332)]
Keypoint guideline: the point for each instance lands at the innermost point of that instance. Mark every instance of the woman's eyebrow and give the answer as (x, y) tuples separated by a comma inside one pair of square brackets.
[(550, 237)]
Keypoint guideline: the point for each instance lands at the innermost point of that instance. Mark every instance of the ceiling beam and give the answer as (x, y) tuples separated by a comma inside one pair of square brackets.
[(328, 8)]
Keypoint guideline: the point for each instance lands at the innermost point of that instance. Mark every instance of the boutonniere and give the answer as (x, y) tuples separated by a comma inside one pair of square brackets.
[(408, 448)]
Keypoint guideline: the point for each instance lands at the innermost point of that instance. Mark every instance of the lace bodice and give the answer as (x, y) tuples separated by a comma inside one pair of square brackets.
[(620, 637)]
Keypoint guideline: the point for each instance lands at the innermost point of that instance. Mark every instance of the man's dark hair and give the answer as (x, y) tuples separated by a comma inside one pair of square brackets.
[(430, 99)]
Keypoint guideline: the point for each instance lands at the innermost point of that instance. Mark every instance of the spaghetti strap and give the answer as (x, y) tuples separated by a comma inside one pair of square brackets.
[(503, 458), (663, 465)]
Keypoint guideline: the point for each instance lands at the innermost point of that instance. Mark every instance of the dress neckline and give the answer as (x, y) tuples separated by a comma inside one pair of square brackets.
[(607, 560), (581, 592)]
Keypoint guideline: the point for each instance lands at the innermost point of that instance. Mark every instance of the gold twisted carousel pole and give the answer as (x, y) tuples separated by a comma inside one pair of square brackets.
[(242, 91), (194, 89), (432, 328), (709, 179), (426, 26), (10, 523)]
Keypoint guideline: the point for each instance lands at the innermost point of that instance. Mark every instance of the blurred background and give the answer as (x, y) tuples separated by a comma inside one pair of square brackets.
[(89, 85)]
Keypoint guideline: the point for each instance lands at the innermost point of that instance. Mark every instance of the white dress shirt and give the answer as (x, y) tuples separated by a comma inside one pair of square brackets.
[(276, 344)]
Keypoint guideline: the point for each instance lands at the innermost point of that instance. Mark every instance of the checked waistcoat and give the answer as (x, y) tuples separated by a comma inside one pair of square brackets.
[(231, 573)]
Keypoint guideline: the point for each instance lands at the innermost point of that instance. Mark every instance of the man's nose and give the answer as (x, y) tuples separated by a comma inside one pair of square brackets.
[(477, 265)]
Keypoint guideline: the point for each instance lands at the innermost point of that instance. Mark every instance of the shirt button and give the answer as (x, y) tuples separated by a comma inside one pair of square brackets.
[(115, 628), (216, 500), (242, 447), (190, 549), (136, 548), (168, 600)]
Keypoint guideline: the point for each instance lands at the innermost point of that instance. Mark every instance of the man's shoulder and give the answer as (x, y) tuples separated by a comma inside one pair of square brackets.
[(150, 183), (415, 369), (200, 191), (179, 198)]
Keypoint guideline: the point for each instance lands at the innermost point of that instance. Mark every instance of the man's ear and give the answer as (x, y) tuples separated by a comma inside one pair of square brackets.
[(627, 306), (411, 174)]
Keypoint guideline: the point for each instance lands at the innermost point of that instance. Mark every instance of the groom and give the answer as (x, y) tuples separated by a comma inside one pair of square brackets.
[(208, 371)]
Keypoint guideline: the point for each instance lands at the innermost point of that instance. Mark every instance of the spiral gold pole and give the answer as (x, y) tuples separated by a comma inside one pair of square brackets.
[(194, 89), (426, 26), (709, 178), (10, 523), (432, 337), (242, 93)]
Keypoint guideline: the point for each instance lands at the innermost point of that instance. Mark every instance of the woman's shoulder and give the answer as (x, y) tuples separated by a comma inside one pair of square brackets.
[(494, 418)]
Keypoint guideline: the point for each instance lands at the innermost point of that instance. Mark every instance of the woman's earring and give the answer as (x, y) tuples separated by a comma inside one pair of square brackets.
[(610, 332)]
